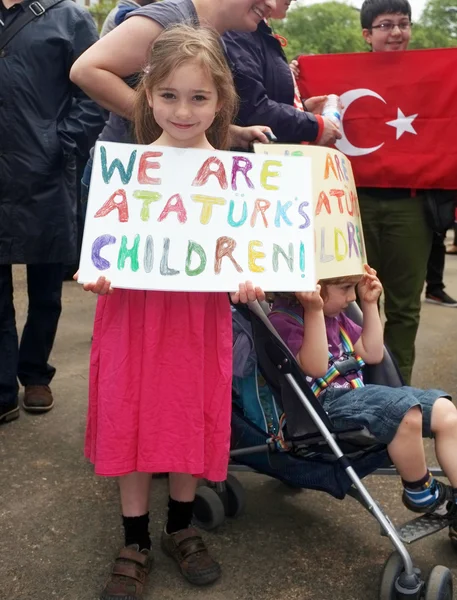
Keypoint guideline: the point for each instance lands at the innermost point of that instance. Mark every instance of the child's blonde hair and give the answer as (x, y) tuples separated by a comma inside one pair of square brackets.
[(176, 46)]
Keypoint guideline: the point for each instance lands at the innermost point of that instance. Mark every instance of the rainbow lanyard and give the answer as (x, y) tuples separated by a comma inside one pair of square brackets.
[(320, 384)]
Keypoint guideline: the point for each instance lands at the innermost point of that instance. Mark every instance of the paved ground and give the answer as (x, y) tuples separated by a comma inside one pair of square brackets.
[(60, 526)]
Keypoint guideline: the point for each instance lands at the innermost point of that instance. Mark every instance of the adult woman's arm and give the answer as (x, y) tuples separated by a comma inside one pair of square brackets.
[(100, 70)]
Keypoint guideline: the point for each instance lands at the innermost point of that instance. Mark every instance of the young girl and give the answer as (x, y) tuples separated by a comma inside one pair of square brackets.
[(160, 372), (331, 349)]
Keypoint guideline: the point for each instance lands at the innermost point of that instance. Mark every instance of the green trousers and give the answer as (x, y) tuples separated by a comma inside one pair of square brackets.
[(398, 243)]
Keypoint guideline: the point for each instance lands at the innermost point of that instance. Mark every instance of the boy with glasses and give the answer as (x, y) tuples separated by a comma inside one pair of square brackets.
[(397, 235)]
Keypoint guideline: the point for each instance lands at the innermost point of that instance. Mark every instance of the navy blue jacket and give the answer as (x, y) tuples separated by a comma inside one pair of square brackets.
[(265, 85), (46, 125)]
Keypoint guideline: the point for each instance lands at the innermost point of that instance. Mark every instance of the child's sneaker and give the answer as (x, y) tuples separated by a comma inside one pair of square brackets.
[(190, 553), (443, 506)]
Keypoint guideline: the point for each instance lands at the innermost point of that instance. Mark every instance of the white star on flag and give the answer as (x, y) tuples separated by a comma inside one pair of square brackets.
[(403, 124)]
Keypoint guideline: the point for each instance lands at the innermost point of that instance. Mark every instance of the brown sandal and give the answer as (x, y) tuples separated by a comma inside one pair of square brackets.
[(129, 574), (188, 549)]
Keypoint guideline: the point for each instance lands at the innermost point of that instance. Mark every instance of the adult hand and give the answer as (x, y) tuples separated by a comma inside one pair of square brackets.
[(315, 104), (330, 134), (295, 68), (243, 137), (101, 287), (247, 293), (311, 301), (369, 287)]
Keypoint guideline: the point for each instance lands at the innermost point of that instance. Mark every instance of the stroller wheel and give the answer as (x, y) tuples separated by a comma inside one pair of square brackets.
[(236, 497), (390, 574), (439, 584), (208, 508)]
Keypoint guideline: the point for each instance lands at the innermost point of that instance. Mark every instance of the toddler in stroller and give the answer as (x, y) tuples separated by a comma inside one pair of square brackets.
[(306, 449)]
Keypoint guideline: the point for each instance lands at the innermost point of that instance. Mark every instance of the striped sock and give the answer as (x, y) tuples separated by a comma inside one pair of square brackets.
[(422, 493)]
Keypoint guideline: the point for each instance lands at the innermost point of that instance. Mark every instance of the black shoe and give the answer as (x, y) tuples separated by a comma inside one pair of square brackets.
[(8, 412), (440, 297), (443, 506)]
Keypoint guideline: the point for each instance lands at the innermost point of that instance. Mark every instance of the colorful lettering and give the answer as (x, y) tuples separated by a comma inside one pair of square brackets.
[(289, 258), (164, 268), (302, 258), (242, 165), (147, 163), (324, 258), (244, 216), (206, 170), (147, 198), (302, 213), (98, 261), (194, 247), (340, 236), (148, 258), (260, 207), (338, 166), (176, 205), (225, 247), (323, 201), (111, 204), (329, 166), (265, 174), (338, 194), (124, 173), (281, 213), (207, 208), (254, 255), (131, 253)]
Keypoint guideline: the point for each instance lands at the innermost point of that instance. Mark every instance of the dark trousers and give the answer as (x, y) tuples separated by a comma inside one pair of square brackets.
[(435, 265), (28, 361), (398, 241)]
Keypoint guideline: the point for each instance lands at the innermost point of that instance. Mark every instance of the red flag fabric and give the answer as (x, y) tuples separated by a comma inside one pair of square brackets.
[(399, 121)]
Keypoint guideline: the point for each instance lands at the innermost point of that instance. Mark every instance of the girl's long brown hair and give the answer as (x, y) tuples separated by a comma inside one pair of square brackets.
[(174, 47)]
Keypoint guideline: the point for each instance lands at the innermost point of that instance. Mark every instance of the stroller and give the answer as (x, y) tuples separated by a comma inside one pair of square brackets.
[(280, 429)]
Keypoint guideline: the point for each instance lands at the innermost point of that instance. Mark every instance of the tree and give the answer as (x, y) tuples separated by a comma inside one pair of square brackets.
[(101, 10), (441, 15), (325, 28)]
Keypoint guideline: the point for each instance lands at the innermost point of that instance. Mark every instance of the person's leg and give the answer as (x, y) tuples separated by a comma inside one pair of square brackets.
[(183, 542), (394, 417), (134, 490), (406, 246), (8, 348), (434, 292), (407, 448), (435, 265), (44, 283), (444, 428), (131, 567)]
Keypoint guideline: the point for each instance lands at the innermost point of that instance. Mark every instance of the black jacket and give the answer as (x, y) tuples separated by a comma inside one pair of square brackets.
[(264, 83), (46, 123)]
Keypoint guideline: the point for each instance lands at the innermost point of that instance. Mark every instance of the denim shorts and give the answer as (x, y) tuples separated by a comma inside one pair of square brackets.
[(379, 408)]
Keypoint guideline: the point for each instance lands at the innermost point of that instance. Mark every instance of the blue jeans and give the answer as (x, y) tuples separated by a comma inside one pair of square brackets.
[(379, 408)]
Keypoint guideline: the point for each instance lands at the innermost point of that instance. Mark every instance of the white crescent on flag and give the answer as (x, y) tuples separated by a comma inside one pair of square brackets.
[(344, 145)]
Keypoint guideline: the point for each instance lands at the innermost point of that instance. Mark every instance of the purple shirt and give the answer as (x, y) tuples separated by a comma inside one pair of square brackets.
[(291, 331)]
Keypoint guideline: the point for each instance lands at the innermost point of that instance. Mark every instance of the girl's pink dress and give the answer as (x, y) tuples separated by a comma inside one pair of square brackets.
[(160, 384)]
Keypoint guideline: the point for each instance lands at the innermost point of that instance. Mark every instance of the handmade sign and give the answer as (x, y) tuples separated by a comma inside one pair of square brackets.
[(339, 244), (163, 218)]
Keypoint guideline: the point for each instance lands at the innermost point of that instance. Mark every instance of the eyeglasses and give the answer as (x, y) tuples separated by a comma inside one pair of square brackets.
[(387, 27)]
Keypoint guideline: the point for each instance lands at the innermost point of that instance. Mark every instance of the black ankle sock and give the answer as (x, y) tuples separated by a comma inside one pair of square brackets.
[(136, 531), (179, 515)]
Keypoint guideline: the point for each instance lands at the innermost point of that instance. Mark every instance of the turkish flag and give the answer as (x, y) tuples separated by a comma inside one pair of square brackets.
[(399, 121)]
